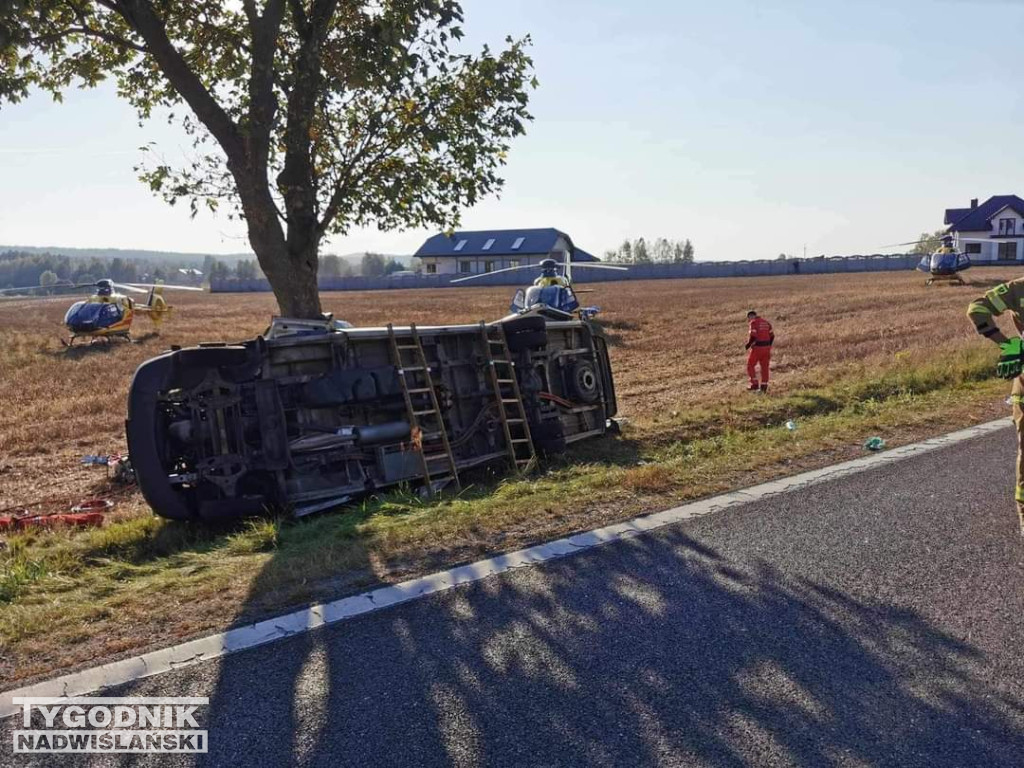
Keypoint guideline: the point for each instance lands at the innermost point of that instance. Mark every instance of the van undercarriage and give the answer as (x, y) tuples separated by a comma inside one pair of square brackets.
[(304, 419)]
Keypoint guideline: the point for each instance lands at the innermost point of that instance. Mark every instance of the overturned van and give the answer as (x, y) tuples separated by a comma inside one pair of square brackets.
[(312, 414)]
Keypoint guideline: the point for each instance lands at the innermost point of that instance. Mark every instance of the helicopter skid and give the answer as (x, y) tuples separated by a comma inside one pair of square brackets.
[(107, 339)]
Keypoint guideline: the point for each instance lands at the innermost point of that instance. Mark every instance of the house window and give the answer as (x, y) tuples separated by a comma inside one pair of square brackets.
[(1007, 226), (972, 249), (488, 244), (465, 267), (1007, 251), (460, 245), (431, 269), (488, 266), (518, 243), (513, 262)]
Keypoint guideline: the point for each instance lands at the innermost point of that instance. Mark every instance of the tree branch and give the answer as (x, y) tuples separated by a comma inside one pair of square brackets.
[(262, 101), (296, 178), (143, 19)]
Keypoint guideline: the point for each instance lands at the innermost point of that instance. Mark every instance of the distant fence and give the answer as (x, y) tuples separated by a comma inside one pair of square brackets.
[(699, 269)]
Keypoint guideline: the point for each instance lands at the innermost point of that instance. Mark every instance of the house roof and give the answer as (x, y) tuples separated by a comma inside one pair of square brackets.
[(535, 242), (953, 215), (980, 219)]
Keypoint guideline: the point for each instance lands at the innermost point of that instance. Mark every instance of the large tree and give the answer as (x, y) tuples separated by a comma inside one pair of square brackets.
[(928, 244), (307, 117)]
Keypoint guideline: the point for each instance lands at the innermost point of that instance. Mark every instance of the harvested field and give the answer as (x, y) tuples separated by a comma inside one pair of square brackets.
[(854, 352)]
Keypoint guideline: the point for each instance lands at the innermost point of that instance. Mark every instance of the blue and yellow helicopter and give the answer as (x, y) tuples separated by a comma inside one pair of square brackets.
[(947, 261), (108, 314), (552, 292)]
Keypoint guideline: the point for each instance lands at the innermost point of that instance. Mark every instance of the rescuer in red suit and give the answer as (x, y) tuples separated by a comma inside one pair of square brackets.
[(760, 345)]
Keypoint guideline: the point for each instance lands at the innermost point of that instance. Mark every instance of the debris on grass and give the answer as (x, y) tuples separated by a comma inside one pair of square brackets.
[(874, 443)]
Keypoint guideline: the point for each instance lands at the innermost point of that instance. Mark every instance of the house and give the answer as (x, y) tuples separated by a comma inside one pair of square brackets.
[(1000, 219), (471, 253)]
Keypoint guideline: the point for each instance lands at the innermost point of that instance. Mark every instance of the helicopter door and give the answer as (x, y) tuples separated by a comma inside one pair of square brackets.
[(519, 301)]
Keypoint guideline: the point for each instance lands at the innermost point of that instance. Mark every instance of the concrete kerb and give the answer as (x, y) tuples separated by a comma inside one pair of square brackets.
[(315, 616)]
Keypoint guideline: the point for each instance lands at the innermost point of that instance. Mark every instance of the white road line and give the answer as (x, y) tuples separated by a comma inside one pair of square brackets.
[(241, 638)]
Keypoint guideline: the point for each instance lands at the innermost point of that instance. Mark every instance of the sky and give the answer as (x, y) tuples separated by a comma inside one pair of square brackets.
[(751, 128)]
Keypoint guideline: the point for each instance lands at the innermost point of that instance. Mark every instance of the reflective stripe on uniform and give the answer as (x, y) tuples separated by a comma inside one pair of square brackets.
[(997, 300), (1019, 495), (976, 307), (1017, 399)]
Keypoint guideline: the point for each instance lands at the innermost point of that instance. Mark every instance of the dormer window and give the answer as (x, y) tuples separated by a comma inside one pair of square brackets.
[(1007, 226), (488, 244), (460, 245), (518, 243)]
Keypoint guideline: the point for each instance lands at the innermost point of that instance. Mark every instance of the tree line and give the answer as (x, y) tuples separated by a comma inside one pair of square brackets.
[(660, 251), (331, 265), (21, 269)]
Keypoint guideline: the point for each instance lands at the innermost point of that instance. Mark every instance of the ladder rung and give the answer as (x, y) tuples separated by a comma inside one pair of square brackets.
[(506, 381), (405, 368), (436, 457), (520, 441), (430, 435), (509, 400), (419, 390), (406, 346), (424, 413), (515, 421)]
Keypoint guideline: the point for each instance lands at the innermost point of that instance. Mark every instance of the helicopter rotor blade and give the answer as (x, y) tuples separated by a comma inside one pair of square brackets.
[(129, 288), (54, 287), (148, 286), (494, 272), (987, 239), (570, 264), (912, 242)]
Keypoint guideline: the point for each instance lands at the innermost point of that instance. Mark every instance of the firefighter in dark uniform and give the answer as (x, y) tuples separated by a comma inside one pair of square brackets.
[(1008, 297)]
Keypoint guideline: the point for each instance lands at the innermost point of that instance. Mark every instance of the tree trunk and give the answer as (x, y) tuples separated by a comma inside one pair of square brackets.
[(291, 271)]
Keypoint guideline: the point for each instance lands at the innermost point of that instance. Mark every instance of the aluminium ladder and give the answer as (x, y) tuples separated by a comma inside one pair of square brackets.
[(425, 420), (505, 386)]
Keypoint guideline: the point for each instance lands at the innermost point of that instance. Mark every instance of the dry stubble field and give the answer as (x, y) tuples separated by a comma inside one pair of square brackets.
[(855, 354)]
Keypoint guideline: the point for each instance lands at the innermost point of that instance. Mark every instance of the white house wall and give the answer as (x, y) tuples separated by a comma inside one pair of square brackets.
[(990, 248), (449, 265), (1007, 213)]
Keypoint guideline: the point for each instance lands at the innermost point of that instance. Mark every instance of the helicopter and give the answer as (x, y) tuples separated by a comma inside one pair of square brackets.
[(551, 291), (108, 314), (947, 262)]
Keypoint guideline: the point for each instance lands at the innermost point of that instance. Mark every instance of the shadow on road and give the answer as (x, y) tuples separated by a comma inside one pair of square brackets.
[(651, 651)]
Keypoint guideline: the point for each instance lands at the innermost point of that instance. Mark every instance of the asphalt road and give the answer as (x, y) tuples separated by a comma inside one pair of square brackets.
[(876, 619)]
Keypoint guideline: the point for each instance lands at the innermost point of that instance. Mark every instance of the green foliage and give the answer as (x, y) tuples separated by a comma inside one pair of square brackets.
[(246, 269), (218, 270), (928, 244), (331, 265), (19, 269), (372, 265), (663, 251), (48, 278), (307, 117), (640, 253)]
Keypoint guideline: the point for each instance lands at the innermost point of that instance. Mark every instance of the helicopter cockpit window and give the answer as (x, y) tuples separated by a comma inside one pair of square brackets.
[(533, 295), (98, 314), (72, 310)]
